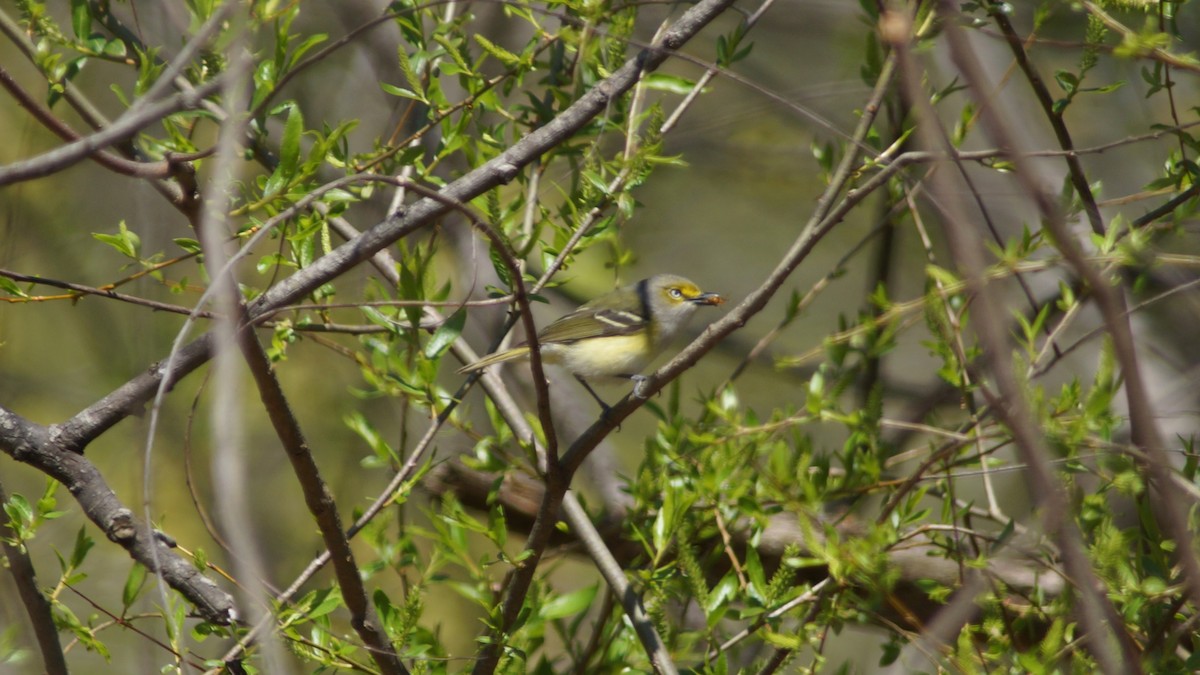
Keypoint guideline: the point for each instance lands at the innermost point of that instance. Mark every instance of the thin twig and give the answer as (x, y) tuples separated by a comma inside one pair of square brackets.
[(123, 128), (321, 504), (37, 607)]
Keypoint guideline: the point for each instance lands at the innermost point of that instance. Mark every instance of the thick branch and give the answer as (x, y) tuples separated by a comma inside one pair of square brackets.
[(39, 447), (122, 129), (128, 399)]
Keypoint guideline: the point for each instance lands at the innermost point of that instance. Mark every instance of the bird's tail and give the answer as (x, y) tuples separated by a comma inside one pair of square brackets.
[(498, 357)]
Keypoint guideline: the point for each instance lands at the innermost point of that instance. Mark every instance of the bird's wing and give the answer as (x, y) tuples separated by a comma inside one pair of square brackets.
[(587, 322)]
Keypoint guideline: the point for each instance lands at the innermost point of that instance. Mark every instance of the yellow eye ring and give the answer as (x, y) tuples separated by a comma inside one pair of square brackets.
[(675, 293)]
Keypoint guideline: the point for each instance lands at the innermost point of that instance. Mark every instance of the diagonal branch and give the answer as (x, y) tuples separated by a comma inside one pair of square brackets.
[(321, 504), (40, 448), (60, 128), (124, 128), (1143, 424), (1109, 644)]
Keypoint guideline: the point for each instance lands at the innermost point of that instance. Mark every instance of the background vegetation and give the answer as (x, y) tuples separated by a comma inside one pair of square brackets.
[(944, 423)]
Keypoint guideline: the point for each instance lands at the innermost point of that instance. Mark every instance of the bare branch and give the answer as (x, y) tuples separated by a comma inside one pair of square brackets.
[(121, 129), (60, 129), (40, 448), (322, 506)]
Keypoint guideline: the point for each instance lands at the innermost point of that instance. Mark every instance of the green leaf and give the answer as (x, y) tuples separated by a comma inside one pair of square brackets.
[(891, 652), (116, 90), (668, 83), (783, 641), (569, 604), (308, 43), (66, 620), (125, 242), (401, 92), (754, 573), (81, 19), (1067, 80), (115, 48), (325, 601), (446, 334), (721, 594), (270, 261), (289, 148), (471, 592), (388, 613), (358, 423), (20, 512), (9, 286), (83, 544), (189, 245), (133, 585), (47, 502)]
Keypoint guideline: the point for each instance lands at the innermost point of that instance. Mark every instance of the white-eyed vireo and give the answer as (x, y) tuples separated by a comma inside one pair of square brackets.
[(617, 334)]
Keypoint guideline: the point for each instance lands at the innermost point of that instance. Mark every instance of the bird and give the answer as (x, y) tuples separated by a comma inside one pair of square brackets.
[(616, 335)]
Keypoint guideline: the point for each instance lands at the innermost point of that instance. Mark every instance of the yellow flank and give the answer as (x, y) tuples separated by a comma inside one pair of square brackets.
[(613, 355)]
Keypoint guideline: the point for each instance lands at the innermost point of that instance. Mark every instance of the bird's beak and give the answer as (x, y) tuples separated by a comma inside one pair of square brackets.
[(707, 299)]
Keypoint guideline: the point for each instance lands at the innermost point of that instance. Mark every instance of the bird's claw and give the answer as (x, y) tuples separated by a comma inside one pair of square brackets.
[(606, 414), (640, 382)]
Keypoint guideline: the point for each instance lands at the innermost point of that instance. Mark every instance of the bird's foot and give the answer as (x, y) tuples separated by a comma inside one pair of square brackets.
[(606, 414), (640, 382), (605, 408)]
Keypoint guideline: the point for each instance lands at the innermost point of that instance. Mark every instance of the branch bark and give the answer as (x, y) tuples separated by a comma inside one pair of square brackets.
[(321, 504), (122, 129), (36, 605), (39, 447)]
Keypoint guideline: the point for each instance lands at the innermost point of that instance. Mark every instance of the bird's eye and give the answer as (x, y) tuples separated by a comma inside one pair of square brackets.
[(675, 293)]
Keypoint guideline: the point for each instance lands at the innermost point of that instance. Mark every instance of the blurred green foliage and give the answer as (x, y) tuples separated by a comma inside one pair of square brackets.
[(849, 475)]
